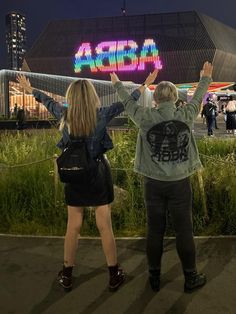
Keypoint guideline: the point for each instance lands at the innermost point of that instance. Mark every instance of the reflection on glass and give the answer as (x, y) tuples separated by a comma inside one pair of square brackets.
[(33, 109)]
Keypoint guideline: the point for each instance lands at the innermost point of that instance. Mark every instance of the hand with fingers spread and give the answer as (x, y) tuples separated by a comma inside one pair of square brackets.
[(24, 83), (207, 69)]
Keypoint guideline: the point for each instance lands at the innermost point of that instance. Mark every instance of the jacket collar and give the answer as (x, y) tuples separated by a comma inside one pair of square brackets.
[(166, 105)]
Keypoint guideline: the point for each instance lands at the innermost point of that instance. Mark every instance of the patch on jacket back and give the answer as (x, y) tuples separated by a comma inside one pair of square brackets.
[(169, 141)]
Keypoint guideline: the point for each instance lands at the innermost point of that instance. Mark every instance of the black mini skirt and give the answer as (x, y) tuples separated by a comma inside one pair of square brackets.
[(98, 192)]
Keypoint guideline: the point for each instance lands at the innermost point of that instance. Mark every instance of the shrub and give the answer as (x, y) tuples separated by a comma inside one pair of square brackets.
[(32, 200)]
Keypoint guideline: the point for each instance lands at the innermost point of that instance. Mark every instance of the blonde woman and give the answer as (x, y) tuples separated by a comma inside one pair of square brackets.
[(85, 117), (166, 155), (230, 111)]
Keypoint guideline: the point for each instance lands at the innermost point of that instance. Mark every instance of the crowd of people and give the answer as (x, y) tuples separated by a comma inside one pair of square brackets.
[(212, 108), (166, 156)]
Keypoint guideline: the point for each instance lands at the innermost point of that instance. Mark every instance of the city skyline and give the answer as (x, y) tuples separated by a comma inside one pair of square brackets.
[(37, 21)]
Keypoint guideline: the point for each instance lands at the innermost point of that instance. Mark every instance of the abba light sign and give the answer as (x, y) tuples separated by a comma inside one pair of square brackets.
[(117, 56)]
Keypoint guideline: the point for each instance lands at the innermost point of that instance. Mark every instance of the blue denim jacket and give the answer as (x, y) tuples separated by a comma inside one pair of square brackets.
[(99, 142)]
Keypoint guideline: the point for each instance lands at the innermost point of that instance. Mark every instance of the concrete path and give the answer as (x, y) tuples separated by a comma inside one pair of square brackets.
[(200, 128), (28, 268)]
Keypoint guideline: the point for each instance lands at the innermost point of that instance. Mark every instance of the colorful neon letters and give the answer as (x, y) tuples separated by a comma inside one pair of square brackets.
[(117, 56)]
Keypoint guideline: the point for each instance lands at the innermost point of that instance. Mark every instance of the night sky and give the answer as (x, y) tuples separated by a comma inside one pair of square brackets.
[(39, 13)]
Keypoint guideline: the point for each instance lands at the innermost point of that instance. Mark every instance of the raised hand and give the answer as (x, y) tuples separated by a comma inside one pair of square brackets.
[(206, 69), (114, 78), (24, 83), (151, 77)]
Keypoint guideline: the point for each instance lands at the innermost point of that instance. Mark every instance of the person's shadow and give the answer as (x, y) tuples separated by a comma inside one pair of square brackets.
[(130, 250), (57, 292), (211, 248)]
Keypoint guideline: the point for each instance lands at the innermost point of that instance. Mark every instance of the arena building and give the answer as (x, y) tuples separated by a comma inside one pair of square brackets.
[(176, 43)]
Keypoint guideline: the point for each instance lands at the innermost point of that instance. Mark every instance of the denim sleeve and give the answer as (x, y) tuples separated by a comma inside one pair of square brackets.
[(133, 109), (55, 108), (192, 109), (116, 108)]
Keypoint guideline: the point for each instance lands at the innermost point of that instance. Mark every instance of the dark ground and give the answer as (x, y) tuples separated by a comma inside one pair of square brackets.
[(28, 268)]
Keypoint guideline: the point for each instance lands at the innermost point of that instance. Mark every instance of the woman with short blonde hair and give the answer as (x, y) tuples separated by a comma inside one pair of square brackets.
[(165, 91), (166, 155)]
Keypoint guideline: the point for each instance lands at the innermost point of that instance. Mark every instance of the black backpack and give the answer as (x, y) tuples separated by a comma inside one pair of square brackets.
[(75, 165)]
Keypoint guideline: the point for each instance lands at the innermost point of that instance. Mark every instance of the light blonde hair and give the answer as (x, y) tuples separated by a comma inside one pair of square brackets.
[(231, 107), (81, 115), (165, 91)]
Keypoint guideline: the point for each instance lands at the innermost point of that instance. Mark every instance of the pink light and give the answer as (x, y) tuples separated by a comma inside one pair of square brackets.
[(117, 56), (149, 47), (128, 54), (106, 51)]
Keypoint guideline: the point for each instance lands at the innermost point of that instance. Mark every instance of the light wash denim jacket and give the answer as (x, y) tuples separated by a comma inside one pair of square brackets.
[(99, 142), (166, 149)]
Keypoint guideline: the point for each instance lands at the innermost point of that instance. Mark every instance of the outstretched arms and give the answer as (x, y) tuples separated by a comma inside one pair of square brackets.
[(130, 103), (149, 80), (53, 107)]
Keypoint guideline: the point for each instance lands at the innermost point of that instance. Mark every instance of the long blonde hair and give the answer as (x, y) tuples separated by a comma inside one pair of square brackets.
[(81, 116), (231, 106)]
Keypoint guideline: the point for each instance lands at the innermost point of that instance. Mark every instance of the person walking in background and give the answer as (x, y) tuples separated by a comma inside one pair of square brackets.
[(21, 119), (209, 111), (166, 155), (87, 119), (15, 109), (217, 111), (230, 112)]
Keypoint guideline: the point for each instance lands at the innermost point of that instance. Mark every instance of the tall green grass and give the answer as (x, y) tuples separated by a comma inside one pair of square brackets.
[(27, 198), (31, 202)]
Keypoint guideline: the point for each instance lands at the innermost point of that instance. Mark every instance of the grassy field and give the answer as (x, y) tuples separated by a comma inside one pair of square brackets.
[(32, 200)]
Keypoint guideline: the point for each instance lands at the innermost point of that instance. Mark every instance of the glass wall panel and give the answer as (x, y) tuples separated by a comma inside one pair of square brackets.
[(33, 109)]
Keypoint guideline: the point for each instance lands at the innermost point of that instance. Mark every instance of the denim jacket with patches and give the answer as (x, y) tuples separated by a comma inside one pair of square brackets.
[(99, 142), (166, 149)]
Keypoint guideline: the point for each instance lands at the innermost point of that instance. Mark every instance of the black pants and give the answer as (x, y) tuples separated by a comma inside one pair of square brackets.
[(175, 196)]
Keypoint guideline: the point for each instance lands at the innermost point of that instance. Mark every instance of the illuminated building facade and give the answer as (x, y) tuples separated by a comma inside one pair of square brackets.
[(15, 40), (176, 43)]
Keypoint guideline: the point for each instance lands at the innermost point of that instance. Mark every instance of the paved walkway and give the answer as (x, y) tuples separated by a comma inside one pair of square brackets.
[(28, 267), (200, 129)]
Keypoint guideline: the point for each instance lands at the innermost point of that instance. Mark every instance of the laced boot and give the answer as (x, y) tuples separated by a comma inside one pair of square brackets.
[(193, 281), (65, 278), (117, 277)]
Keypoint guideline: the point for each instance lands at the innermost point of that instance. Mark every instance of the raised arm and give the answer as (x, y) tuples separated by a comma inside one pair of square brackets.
[(192, 109), (55, 108), (116, 108), (129, 101)]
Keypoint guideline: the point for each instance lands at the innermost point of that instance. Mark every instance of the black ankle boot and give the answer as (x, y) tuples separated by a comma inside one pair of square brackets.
[(193, 281), (117, 277), (65, 278), (154, 279)]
